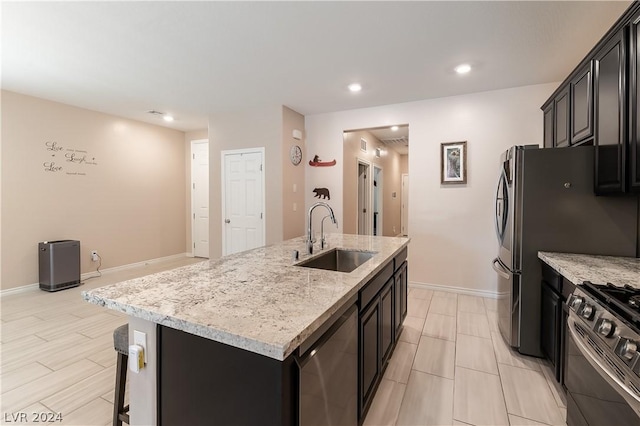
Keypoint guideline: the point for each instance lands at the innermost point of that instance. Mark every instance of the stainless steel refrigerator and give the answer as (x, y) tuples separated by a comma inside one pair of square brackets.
[(545, 202)]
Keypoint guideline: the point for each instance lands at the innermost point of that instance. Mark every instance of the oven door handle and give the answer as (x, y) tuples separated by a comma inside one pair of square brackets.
[(624, 391)]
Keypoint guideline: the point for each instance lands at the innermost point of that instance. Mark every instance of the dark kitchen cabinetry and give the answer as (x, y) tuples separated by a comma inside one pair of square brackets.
[(581, 90), (383, 307), (561, 118), (400, 290), (369, 354), (610, 113), (634, 105), (551, 326), (549, 115), (555, 290), (601, 99)]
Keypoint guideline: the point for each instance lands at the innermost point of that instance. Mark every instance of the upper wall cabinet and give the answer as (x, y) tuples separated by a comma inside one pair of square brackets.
[(561, 119), (601, 102), (568, 117), (549, 116), (610, 115), (581, 89), (634, 104)]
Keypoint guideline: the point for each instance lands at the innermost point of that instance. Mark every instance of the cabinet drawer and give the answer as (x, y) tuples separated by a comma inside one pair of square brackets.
[(551, 277), (401, 257), (371, 290)]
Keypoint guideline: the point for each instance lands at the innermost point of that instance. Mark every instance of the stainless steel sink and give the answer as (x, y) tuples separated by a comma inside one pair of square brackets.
[(338, 260)]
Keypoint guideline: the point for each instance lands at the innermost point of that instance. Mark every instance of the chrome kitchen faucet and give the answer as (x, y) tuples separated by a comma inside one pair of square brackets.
[(310, 240)]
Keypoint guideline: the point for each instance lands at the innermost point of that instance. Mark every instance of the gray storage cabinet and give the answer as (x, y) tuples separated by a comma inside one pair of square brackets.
[(59, 263)]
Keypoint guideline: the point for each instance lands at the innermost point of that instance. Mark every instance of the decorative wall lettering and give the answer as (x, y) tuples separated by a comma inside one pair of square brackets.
[(317, 162), (76, 159), (50, 166), (53, 146), (322, 193)]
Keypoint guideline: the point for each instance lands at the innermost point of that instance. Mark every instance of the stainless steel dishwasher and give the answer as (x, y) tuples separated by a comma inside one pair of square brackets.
[(328, 383)]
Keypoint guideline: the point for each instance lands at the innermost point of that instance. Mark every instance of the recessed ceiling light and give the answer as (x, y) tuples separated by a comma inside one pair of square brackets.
[(394, 128), (355, 87), (463, 69), (167, 117)]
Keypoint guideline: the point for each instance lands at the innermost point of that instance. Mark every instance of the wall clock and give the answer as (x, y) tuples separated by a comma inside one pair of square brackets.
[(295, 154)]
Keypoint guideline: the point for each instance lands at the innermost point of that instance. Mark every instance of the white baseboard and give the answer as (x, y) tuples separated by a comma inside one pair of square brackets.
[(459, 290), (36, 286)]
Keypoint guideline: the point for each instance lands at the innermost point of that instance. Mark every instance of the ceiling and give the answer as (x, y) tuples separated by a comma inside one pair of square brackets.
[(193, 59)]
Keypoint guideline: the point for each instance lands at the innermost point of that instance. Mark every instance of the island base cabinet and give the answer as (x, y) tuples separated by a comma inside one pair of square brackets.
[(203, 382)]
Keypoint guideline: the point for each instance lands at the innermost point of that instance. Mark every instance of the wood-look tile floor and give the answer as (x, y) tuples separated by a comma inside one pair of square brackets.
[(57, 352), (450, 367)]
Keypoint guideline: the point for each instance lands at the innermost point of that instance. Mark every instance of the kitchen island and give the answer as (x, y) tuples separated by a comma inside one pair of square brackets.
[(223, 336)]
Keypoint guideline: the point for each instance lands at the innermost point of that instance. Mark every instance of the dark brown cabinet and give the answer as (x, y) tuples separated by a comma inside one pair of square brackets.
[(549, 115), (561, 118), (599, 104), (387, 326), (555, 290), (383, 307), (400, 290), (550, 327), (634, 105), (377, 338), (369, 354), (609, 102), (581, 87)]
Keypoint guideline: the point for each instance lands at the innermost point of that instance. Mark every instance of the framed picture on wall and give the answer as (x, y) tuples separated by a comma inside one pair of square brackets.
[(453, 162)]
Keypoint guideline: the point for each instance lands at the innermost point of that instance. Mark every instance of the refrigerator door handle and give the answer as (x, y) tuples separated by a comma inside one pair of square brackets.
[(497, 266)]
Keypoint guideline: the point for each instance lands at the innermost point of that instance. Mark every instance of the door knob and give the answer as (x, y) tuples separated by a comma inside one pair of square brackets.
[(227, 221)]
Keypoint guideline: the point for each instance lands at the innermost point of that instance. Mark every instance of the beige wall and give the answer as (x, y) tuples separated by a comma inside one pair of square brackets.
[(194, 135), (451, 227), (255, 128), (129, 206), (293, 219), (404, 164), (389, 162)]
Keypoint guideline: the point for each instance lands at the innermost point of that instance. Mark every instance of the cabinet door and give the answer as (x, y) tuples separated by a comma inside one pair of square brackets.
[(548, 113), (634, 106), (387, 332), (609, 107), (369, 353), (550, 323), (561, 118), (581, 105)]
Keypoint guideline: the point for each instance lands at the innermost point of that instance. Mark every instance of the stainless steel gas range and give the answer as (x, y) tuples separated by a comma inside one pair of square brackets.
[(602, 373)]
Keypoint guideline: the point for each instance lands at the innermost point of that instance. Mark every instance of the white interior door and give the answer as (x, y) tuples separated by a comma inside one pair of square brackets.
[(200, 197), (364, 198), (243, 200), (404, 214)]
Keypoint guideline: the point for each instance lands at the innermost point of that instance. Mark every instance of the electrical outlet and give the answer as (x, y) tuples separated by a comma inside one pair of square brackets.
[(140, 338), (94, 255)]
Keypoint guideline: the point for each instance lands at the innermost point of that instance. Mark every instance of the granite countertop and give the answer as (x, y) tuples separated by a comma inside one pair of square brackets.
[(578, 268), (256, 300)]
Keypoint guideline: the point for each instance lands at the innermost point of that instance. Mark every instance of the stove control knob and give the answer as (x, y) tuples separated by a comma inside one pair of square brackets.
[(606, 328), (576, 302), (588, 312), (628, 350)]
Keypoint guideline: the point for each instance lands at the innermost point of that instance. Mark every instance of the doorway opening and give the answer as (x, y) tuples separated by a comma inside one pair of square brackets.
[(382, 155)]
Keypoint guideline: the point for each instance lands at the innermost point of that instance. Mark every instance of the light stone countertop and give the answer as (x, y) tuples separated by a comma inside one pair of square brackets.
[(257, 300), (578, 268)]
